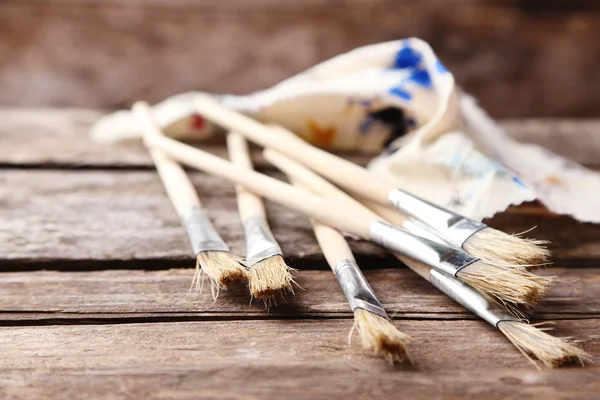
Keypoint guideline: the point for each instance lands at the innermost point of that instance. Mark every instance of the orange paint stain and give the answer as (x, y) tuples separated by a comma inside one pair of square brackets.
[(322, 136), (553, 180)]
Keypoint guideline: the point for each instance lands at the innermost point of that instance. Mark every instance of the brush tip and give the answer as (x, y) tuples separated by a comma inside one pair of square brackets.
[(270, 277), (381, 336), (498, 247), (222, 268), (532, 341), (509, 285)]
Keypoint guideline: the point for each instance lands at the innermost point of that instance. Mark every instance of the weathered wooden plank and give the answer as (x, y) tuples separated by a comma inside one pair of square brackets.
[(57, 216), (69, 216), (55, 137), (107, 53), (60, 137), (279, 359), (60, 216), (35, 297)]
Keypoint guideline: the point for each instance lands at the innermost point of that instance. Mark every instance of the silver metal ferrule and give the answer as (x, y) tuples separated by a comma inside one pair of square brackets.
[(470, 298), (201, 232), (455, 228), (357, 289), (436, 255), (260, 243)]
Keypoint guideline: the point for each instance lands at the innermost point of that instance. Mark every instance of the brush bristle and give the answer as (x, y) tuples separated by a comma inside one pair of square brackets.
[(512, 286), (378, 334), (498, 247), (532, 341), (270, 277), (222, 268)]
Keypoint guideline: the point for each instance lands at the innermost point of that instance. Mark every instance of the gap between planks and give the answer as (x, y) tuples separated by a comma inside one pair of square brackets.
[(99, 297)]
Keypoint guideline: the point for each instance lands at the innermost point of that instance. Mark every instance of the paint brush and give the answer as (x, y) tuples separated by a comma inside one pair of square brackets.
[(268, 273), (374, 327), (213, 256), (515, 288), (522, 288), (528, 339), (474, 237)]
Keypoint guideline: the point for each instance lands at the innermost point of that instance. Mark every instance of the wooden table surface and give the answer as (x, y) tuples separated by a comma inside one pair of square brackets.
[(95, 271)]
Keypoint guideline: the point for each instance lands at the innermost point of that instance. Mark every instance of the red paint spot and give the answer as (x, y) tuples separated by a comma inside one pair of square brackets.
[(197, 122)]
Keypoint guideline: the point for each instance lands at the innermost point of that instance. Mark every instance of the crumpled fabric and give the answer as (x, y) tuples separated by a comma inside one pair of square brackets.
[(397, 101)]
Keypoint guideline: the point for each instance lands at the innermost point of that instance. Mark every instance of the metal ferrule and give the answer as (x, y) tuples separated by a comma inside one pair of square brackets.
[(470, 298), (436, 255), (455, 228), (260, 243), (201, 232), (357, 289)]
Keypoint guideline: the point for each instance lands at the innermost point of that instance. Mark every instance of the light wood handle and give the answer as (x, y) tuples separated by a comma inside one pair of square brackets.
[(315, 183), (333, 244), (344, 173), (300, 175), (418, 267), (175, 180), (392, 215), (249, 204), (322, 209)]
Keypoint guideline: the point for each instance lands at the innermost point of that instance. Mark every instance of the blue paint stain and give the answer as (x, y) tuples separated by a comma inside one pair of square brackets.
[(421, 77), (365, 125), (407, 57), (519, 182), (441, 68), (399, 92), (390, 149), (365, 103)]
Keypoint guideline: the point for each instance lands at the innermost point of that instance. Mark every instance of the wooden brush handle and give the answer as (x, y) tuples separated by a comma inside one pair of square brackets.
[(301, 176), (344, 173), (249, 204), (315, 183), (390, 214), (333, 244), (324, 210), (175, 180), (418, 267)]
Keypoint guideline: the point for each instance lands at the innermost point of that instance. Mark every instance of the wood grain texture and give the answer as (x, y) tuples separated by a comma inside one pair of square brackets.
[(521, 58), (61, 216), (59, 137), (103, 296), (278, 359), (113, 318)]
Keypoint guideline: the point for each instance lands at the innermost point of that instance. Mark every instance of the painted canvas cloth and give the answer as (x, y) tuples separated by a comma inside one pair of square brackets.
[(397, 101)]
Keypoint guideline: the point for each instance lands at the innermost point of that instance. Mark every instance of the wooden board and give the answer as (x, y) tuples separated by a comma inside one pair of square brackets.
[(300, 359), (52, 216), (95, 270), (521, 58), (32, 137), (131, 295)]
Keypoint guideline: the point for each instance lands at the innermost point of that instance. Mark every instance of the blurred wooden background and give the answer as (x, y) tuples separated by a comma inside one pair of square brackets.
[(519, 57)]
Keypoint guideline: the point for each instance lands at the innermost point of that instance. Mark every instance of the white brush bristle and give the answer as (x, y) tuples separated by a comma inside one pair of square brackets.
[(270, 277), (222, 268), (532, 341), (378, 334), (498, 247), (509, 285)]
